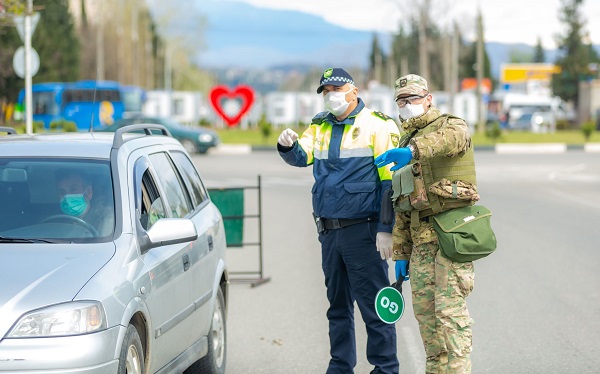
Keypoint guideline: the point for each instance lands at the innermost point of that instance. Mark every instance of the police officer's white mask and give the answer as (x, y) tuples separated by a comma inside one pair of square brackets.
[(409, 111), (335, 102)]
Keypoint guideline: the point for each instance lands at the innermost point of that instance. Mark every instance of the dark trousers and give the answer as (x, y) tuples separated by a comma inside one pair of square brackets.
[(354, 271)]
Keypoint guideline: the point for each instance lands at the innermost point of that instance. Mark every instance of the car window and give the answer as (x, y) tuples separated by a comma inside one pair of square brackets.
[(152, 206), (176, 196), (71, 200), (191, 177)]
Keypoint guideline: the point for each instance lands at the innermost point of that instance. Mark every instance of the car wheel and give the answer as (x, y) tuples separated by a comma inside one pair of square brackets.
[(189, 146), (215, 359), (131, 359)]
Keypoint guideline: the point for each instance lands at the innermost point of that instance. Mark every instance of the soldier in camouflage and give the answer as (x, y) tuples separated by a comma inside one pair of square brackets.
[(434, 172)]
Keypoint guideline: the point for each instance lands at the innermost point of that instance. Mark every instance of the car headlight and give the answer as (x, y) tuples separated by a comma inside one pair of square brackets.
[(205, 138), (73, 318)]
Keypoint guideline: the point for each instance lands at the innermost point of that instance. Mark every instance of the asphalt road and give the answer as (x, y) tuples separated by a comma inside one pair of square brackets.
[(536, 300)]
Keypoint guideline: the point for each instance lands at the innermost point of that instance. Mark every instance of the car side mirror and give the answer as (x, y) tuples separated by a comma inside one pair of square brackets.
[(167, 231)]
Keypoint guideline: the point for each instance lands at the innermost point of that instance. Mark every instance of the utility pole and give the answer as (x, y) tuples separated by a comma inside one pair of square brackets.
[(480, 68), (134, 41), (28, 80), (100, 43), (423, 40), (454, 57)]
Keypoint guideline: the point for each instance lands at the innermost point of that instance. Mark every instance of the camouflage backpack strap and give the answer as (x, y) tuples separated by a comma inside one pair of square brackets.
[(405, 139), (319, 118)]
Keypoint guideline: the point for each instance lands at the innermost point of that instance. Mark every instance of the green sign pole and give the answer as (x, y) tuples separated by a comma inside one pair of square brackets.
[(389, 305)]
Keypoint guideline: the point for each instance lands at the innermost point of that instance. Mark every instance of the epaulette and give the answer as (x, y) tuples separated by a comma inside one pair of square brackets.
[(384, 117), (319, 118)]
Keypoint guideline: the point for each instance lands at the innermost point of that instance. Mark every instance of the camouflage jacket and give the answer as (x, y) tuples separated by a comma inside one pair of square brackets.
[(443, 171)]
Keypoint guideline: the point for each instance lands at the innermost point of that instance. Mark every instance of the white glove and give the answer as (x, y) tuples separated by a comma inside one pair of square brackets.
[(383, 242), (287, 138)]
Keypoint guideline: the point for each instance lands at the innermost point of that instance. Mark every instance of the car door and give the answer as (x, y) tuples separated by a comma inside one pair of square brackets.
[(169, 299), (206, 219)]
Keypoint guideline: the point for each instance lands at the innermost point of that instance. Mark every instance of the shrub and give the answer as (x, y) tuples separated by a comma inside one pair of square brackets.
[(63, 125), (265, 127), (588, 129), (493, 131)]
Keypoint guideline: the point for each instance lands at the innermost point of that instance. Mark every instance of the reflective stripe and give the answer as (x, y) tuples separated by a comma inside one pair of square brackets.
[(345, 153), (321, 154), (358, 152)]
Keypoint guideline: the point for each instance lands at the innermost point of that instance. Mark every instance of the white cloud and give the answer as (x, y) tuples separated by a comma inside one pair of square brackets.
[(510, 21)]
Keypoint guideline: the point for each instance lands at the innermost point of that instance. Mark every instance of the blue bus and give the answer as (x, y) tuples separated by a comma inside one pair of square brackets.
[(87, 103)]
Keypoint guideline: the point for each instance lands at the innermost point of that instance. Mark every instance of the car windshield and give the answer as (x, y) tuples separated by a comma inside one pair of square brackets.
[(55, 200)]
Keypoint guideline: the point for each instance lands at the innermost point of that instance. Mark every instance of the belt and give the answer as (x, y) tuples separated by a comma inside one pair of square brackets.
[(333, 224)]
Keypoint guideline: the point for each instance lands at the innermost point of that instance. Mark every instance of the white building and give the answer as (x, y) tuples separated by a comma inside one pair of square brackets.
[(182, 106)]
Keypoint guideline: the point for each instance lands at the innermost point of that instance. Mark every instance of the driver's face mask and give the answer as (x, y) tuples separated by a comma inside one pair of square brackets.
[(73, 204)]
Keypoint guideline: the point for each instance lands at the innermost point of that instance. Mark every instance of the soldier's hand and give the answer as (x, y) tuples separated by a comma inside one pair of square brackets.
[(401, 156), (287, 138), (383, 241)]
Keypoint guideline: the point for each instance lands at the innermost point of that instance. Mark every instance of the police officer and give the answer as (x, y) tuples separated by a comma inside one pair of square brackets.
[(341, 144), (439, 153)]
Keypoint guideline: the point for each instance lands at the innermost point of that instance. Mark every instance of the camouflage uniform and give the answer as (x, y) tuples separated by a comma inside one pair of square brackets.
[(439, 285)]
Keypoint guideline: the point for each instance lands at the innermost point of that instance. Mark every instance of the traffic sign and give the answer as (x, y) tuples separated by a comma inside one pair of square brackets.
[(20, 24), (389, 305), (19, 62)]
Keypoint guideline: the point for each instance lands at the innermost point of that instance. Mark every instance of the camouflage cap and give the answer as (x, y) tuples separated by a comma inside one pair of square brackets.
[(410, 84)]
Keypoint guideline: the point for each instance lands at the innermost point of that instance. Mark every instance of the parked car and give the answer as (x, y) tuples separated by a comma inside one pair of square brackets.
[(112, 256), (538, 122), (194, 139)]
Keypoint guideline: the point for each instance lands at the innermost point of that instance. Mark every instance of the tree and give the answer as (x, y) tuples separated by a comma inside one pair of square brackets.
[(10, 84), (539, 54), (56, 43), (575, 56)]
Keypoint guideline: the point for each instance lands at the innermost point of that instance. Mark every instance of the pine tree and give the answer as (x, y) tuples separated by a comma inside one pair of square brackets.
[(539, 54), (575, 55)]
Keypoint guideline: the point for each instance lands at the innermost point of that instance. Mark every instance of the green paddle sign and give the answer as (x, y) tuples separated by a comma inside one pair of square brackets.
[(389, 305)]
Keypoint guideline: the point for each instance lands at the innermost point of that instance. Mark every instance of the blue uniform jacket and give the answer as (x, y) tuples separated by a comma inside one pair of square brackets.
[(347, 183)]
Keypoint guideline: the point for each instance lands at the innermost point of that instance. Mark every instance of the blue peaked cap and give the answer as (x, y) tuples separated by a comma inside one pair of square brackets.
[(335, 77)]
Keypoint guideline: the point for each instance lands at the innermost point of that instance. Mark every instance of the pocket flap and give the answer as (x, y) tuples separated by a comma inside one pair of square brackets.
[(358, 187), (453, 219)]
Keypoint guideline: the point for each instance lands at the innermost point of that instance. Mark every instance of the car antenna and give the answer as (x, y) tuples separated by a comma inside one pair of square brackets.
[(91, 130)]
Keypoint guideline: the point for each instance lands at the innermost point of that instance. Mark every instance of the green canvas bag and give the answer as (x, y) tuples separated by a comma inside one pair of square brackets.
[(465, 234)]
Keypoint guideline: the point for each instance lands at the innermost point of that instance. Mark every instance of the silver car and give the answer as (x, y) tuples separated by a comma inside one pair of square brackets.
[(111, 256)]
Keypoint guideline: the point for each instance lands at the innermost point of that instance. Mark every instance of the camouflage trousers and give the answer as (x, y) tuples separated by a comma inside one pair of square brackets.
[(439, 288)]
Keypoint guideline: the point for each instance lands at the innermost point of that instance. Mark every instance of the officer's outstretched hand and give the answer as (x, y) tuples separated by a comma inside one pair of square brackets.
[(383, 241), (401, 156), (402, 270), (287, 138)]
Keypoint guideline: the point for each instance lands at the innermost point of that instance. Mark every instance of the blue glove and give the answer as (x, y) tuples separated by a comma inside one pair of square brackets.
[(402, 270), (401, 156)]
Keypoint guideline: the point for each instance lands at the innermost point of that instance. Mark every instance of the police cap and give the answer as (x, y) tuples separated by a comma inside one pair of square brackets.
[(335, 77)]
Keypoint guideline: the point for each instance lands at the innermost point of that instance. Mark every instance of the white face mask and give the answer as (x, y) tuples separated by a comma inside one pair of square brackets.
[(335, 102), (411, 111)]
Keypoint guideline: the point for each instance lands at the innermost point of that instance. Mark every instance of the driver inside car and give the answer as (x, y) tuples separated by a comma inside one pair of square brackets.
[(75, 192)]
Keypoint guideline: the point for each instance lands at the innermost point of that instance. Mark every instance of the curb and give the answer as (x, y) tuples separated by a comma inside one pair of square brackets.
[(508, 148)]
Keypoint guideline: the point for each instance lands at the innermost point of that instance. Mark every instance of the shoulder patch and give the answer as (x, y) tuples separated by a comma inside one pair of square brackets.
[(319, 118), (381, 115)]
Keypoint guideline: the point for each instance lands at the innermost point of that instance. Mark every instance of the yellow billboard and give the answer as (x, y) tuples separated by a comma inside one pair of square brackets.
[(521, 73)]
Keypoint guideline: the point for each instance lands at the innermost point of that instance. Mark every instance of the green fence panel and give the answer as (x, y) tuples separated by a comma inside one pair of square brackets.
[(230, 202)]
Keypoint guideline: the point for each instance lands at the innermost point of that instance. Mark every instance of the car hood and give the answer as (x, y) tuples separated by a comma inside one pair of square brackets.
[(36, 275)]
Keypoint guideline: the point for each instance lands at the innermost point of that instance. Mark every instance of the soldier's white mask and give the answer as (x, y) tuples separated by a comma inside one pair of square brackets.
[(411, 111), (335, 102)]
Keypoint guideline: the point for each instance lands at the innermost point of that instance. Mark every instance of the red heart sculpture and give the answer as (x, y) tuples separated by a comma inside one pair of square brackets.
[(225, 102)]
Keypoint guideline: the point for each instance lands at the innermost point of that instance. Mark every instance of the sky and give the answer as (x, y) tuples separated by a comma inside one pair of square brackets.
[(506, 21)]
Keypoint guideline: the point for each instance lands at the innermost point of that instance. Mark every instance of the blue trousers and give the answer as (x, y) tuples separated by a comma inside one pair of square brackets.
[(354, 271)]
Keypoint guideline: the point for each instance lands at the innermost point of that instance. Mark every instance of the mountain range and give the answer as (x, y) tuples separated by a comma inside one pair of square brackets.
[(244, 37)]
